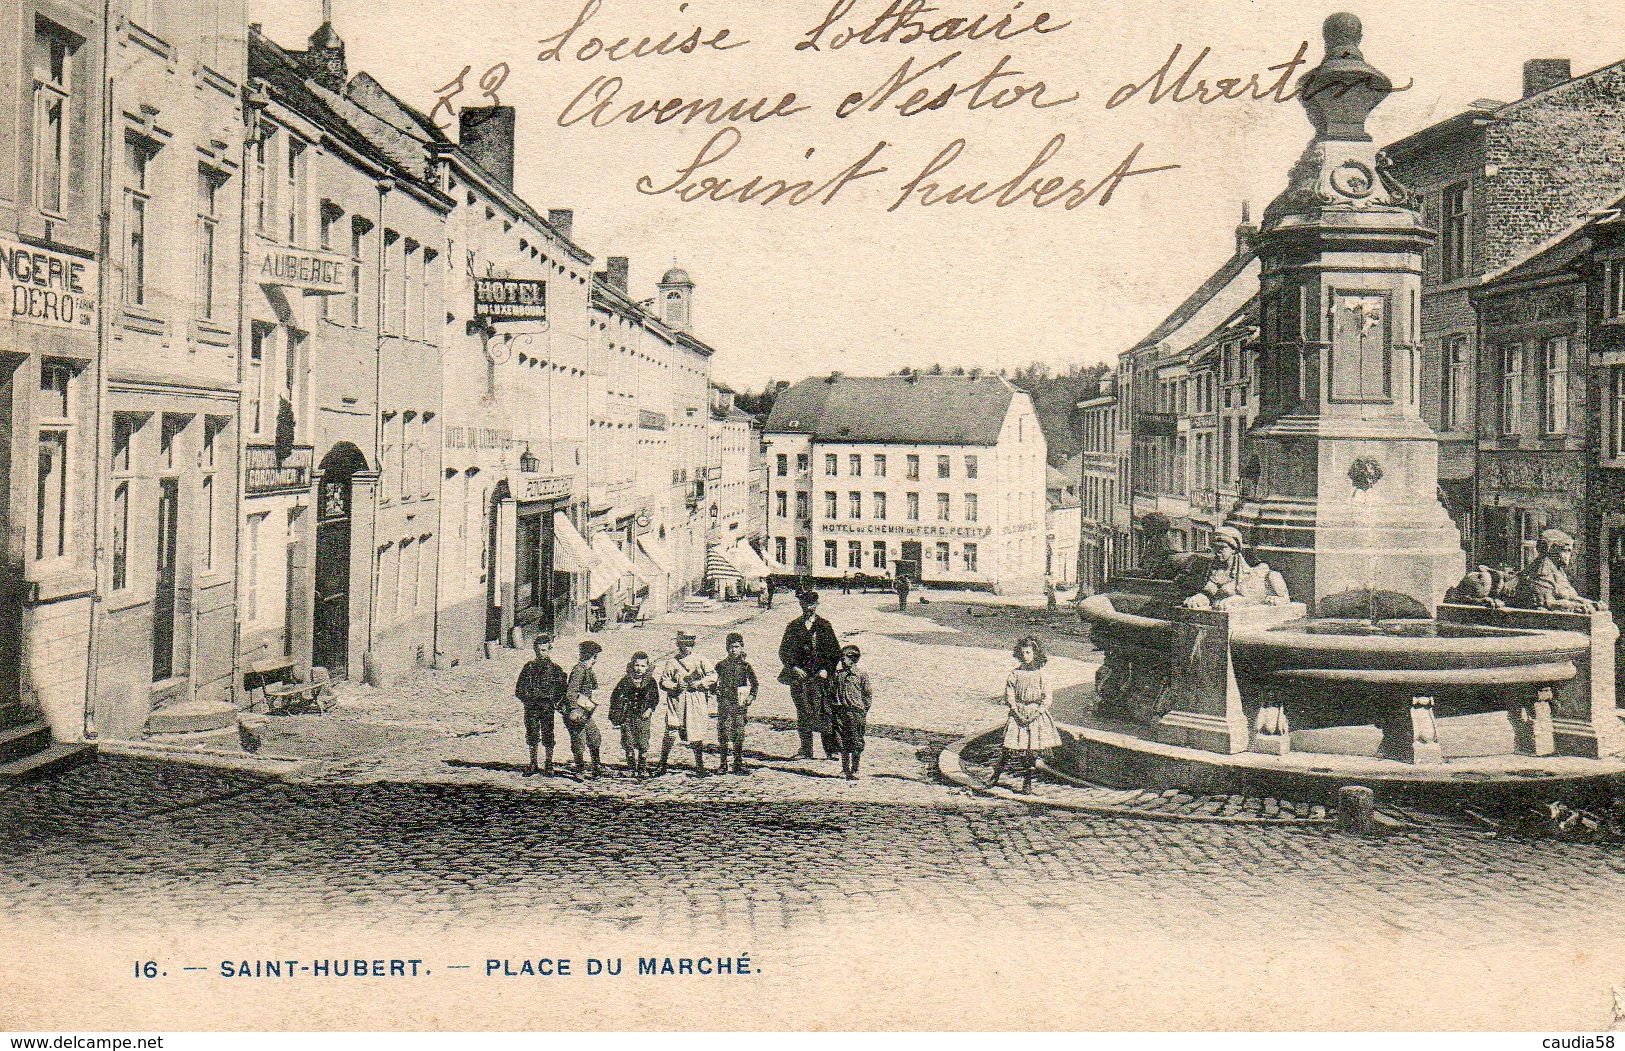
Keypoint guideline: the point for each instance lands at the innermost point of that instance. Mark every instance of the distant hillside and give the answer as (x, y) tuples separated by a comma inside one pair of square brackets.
[(1053, 393)]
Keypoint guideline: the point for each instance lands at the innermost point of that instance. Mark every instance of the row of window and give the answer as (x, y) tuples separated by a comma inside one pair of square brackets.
[(1552, 377), (877, 463), (971, 506), (873, 557), (407, 457)]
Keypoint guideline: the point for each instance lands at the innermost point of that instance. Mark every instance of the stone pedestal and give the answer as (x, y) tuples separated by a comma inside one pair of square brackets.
[(1343, 480), (1531, 721), (1583, 717), (1201, 702)]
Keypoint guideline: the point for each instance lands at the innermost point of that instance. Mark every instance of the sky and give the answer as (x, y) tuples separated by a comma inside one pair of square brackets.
[(873, 279)]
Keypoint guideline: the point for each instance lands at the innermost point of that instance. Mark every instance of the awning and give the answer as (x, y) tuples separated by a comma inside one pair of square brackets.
[(571, 552), (615, 563), (749, 562), (658, 556), (717, 566)]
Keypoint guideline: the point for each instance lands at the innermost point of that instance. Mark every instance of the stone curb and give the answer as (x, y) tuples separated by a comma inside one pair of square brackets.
[(950, 765), (278, 766)]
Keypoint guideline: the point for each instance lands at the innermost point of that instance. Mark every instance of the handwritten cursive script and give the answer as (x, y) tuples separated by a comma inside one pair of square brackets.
[(912, 21), (678, 42)]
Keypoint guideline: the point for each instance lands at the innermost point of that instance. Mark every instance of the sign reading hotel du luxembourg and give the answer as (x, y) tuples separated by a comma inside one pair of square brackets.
[(318, 273), (510, 299), (47, 287)]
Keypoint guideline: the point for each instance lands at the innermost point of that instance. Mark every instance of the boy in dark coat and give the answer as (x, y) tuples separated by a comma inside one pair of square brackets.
[(631, 706), (541, 690), (849, 700), (579, 709), (736, 689)]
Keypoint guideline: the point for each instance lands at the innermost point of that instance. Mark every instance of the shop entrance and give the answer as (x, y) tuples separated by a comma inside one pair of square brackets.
[(330, 641)]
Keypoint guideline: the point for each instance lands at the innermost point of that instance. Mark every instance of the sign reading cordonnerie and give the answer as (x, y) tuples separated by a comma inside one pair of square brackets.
[(46, 287), (510, 299)]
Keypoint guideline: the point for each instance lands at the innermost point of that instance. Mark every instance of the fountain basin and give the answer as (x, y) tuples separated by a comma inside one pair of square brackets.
[(1243, 679)]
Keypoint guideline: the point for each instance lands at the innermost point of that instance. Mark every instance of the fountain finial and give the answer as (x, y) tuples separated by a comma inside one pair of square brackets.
[(1342, 91), (1342, 32)]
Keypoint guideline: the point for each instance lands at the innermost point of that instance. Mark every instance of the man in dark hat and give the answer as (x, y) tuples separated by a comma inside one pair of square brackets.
[(810, 652)]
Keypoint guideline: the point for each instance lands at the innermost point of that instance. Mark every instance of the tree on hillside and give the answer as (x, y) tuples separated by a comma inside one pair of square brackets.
[(761, 403)]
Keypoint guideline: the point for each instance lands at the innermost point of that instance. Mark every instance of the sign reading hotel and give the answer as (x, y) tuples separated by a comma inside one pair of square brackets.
[(317, 273), (45, 287), (972, 532), (510, 299)]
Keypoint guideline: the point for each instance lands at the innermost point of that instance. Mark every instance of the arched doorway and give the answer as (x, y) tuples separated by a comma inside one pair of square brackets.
[(330, 642)]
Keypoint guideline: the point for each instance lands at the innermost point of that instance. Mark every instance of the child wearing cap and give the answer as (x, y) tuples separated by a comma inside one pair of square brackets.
[(849, 701), (736, 689), (540, 691), (580, 708), (686, 681), (631, 706)]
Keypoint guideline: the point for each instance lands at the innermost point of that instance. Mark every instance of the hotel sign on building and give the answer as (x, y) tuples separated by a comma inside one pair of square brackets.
[(970, 532), (510, 299), (317, 273), (47, 287)]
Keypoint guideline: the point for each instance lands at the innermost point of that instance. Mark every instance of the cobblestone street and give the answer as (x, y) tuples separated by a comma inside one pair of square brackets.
[(421, 809), (414, 827)]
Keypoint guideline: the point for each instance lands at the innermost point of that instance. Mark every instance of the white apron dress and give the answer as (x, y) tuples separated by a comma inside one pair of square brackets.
[(686, 686), (1025, 689)]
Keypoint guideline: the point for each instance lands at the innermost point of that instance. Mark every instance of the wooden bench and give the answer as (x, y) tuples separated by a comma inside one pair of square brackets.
[(287, 696)]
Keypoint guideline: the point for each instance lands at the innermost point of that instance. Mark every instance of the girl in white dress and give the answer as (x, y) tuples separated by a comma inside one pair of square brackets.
[(1029, 729)]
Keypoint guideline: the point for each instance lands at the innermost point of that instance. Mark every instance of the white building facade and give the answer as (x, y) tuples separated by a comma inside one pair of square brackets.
[(938, 477)]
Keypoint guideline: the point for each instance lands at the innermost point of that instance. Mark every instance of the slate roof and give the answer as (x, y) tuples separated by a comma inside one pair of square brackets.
[(900, 410), (1218, 286)]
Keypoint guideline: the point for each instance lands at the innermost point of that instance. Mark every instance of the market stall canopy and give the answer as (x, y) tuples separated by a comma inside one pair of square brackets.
[(656, 554), (717, 566), (614, 560), (748, 561)]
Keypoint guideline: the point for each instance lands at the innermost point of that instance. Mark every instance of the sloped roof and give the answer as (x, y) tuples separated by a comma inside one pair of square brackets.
[(1552, 256), (903, 410), (1216, 288)]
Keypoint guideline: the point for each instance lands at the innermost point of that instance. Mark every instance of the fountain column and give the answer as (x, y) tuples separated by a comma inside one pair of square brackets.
[(1343, 472)]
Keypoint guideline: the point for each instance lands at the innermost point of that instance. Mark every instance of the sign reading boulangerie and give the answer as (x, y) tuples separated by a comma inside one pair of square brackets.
[(510, 299), (43, 286)]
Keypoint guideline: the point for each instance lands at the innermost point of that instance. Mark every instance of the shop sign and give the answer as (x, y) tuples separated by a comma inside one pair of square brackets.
[(510, 299), (964, 531), (1533, 473), (317, 273), (45, 287), (540, 487)]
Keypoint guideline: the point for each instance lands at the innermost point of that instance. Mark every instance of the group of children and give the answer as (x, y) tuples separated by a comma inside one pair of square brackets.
[(677, 698)]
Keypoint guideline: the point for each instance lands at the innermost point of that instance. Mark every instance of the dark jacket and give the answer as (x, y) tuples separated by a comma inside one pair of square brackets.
[(541, 684), (811, 651), (633, 700)]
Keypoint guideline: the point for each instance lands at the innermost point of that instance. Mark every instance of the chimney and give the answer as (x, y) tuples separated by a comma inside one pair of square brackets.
[(619, 271), (325, 57), (1246, 231), (1542, 73), (561, 220), (485, 133)]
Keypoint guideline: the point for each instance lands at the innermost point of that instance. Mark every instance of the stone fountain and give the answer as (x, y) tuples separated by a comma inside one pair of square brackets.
[(1215, 656)]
